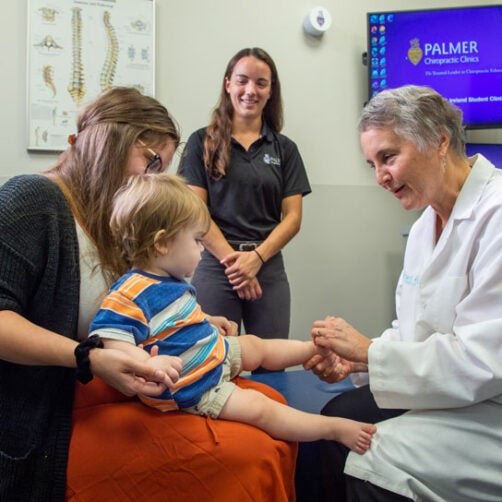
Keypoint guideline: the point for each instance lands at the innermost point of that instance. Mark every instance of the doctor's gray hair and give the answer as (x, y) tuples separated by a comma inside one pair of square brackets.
[(416, 113)]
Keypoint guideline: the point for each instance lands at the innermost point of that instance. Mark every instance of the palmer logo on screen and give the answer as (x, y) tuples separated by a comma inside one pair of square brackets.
[(415, 52), (452, 52)]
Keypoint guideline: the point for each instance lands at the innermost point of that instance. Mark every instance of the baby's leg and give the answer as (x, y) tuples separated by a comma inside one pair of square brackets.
[(283, 422), (274, 354)]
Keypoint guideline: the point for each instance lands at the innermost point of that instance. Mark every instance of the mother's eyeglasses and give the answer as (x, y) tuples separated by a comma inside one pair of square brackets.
[(155, 163)]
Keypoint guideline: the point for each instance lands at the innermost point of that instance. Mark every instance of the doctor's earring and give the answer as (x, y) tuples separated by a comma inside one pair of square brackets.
[(443, 164)]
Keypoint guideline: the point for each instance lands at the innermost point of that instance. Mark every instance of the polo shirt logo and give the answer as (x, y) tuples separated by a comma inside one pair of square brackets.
[(274, 161)]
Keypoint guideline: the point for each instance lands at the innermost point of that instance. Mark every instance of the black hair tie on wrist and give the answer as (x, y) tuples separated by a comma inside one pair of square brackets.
[(81, 352)]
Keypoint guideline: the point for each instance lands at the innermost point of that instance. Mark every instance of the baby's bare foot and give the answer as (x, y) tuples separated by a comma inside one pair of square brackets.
[(355, 435)]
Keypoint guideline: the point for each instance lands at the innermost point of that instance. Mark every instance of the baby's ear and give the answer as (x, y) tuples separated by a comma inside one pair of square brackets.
[(160, 242)]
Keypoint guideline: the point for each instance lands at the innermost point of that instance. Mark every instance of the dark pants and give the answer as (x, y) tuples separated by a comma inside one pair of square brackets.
[(363, 491), (359, 405), (267, 317)]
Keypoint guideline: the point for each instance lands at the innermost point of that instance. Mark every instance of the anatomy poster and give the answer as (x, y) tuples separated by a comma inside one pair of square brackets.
[(78, 49)]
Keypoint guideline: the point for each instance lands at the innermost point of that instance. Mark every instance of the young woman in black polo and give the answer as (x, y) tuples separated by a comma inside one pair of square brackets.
[(253, 180)]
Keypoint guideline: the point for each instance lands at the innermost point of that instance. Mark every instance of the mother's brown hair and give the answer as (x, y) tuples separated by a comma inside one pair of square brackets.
[(95, 166)]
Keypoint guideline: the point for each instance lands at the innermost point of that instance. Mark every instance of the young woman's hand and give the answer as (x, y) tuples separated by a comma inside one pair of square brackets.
[(250, 291), (241, 267)]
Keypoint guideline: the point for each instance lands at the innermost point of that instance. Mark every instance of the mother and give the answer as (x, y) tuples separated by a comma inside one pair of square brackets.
[(56, 262), (442, 358)]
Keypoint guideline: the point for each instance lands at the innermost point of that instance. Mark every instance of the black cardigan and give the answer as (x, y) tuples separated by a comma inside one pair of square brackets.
[(40, 280)]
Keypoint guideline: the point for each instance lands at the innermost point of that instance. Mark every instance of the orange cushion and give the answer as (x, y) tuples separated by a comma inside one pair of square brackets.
[(123, 450)]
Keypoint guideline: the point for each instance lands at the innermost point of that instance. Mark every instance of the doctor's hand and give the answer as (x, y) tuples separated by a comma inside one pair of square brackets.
[(329, 368), (338, 335)]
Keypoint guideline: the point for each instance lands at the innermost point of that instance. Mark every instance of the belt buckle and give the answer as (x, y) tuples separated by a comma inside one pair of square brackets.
[(247, 246)]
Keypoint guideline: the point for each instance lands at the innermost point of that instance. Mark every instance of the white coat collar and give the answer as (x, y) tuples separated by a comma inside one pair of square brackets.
[(481, 173)]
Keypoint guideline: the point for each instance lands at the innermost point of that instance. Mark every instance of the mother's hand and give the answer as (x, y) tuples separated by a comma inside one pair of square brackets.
[(128, 372), (338, 335)]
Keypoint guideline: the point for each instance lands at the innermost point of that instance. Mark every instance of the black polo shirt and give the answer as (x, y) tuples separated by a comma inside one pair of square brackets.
[(246, 203)]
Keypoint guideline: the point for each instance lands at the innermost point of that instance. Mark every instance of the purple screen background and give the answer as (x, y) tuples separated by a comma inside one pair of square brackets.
[(390, 63), (492, 152)]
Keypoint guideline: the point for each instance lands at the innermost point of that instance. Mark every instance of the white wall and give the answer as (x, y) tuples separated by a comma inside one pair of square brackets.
[(347, 257)]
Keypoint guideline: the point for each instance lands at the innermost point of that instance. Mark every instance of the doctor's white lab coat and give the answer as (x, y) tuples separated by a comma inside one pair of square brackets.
[(442, 359)]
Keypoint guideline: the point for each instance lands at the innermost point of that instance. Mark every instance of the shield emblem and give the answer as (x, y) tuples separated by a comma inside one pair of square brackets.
[(415, 55), (415, 52)]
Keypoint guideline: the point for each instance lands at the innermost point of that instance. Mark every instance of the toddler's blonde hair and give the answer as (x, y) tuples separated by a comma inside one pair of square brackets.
[(152, 209)]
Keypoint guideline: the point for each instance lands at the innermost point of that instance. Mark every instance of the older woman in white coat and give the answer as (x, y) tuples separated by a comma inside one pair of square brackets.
[(435, 377)]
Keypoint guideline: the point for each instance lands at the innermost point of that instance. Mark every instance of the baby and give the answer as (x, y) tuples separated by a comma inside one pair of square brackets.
[(159, 224)]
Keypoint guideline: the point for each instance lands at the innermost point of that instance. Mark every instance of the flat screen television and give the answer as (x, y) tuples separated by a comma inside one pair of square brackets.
[(456, 51)]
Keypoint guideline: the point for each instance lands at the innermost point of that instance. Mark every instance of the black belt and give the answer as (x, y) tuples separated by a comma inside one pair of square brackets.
[(244, 245)]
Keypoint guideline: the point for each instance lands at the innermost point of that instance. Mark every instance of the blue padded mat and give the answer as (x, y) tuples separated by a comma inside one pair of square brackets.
[(302, 389)]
